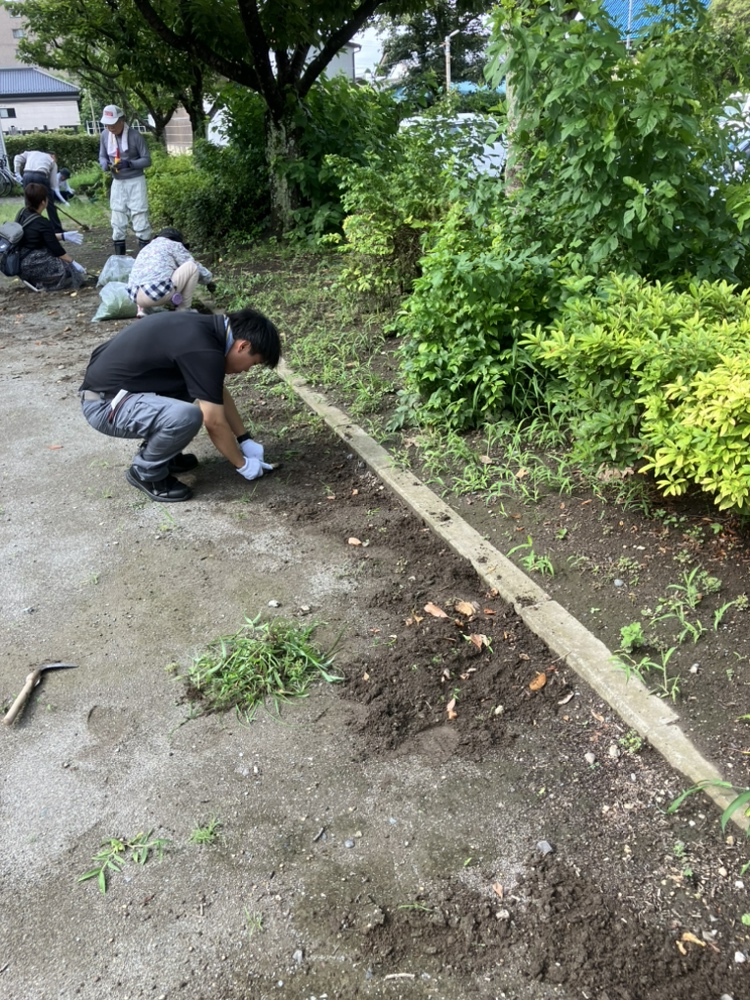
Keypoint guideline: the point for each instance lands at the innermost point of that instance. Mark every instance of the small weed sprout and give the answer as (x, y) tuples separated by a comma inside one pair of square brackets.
[(207, 834), (666, 687), (740, 803), (531, 561), (253, 922), (632, 742), (632, 637), (115, 853)]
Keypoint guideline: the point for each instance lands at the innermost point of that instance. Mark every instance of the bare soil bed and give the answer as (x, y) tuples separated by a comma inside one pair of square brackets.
[(461, 817)]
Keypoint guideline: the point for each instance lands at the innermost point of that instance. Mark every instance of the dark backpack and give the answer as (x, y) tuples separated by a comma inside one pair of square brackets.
[(11, 234)]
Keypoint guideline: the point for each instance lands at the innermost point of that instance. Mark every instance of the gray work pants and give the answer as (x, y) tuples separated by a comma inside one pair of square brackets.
[(166, 426)]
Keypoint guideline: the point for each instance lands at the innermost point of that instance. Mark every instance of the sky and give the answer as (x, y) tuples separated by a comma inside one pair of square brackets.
[(370, 54)]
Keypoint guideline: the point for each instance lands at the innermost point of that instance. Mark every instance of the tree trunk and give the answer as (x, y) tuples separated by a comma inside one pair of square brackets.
[(281, 150)]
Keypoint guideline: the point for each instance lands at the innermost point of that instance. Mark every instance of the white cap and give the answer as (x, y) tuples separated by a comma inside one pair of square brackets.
[(112, 114)]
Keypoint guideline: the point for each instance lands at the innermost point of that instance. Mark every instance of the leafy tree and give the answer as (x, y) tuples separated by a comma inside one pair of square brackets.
[(276, 48), (416, 42), (104, 45), (730, 19)]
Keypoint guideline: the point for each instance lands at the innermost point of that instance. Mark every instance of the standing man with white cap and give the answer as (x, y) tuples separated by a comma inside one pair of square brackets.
[(123, 153)]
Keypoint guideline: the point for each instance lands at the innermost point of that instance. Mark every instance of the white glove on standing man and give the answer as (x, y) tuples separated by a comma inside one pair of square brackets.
[(251, 449), (73, 236), (253, 468)]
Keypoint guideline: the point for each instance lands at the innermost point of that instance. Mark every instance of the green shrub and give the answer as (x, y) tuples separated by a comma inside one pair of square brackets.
[(208, 195), (697, 431), (337, 117), (393, 199), (463, 320), (624, 341), (74, 150), (619, 158)]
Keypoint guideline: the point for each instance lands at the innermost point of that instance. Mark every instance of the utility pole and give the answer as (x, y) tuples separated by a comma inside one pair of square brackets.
[(447, 46)]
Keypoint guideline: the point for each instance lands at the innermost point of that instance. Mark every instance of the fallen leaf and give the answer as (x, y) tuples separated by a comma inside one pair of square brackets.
[(54, 447), (523, 656), (414, 619), (681, 947), (353, 541), (365, 676), (564, 700), (331, 496), (498, 889), (599, 718), (465, 608), (489, 611), (479, 640), (434, 610), (355, 493), (449, 708), (467, 675), (486, 460), (522, 473), (538, 682), (692, 939)]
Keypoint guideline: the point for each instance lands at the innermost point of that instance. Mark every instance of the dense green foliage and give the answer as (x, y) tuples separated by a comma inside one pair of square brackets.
[(613, 349), (620, 157), (644, 371), (106, 47), (620, 170), (209, 196), (337, 116), (73, 150), (393, 198)]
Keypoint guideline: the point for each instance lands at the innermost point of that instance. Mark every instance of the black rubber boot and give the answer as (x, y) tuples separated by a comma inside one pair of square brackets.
[(142, 243), (120, 247)]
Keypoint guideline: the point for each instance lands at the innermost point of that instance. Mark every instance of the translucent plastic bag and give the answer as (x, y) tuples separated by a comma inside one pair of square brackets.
[(117, 268), (115, 304)]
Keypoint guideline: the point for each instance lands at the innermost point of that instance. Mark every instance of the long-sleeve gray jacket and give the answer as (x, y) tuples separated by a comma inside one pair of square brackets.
[(132, 147)]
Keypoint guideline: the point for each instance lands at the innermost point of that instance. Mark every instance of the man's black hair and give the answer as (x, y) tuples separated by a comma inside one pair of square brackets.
[(249, 324)]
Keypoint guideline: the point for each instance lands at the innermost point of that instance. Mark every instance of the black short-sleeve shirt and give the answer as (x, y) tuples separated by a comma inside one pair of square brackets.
[(39, 233), (178, 354)]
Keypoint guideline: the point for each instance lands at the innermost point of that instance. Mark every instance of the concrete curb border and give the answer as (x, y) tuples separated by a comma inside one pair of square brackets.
[(564, 634)]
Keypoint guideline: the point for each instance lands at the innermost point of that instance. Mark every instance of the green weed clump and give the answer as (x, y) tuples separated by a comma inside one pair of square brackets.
[(262, 661)]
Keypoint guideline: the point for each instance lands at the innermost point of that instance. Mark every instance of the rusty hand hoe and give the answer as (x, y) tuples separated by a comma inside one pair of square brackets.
[(31, 682)]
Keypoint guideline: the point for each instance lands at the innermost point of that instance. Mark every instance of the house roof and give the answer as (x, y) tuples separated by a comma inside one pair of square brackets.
[(33, 83)]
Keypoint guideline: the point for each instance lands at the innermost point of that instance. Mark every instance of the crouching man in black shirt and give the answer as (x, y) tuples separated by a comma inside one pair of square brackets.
[(145, 382)]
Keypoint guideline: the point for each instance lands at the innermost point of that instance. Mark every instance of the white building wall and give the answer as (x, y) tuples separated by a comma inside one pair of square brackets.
[(35, 114)]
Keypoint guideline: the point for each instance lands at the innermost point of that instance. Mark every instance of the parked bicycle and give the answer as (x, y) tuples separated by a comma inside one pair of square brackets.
[(6, 178)]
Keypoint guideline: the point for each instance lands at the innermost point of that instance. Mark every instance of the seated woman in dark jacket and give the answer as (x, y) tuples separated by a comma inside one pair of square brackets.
[(44, 261)]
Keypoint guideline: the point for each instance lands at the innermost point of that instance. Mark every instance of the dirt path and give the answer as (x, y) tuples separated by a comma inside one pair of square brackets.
[(371, 846)]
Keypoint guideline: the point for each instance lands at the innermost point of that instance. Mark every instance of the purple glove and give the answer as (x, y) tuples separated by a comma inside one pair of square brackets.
[(124, 164)]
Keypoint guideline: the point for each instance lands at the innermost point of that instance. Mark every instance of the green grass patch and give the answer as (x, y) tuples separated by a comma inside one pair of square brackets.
[(263, 661)]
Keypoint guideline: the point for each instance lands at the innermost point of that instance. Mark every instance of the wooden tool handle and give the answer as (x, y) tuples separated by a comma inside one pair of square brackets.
[(17, 707)]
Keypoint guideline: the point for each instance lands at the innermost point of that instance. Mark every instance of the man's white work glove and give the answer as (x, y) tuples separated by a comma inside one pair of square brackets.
[(252, 469), (78, 267), (18, 179), (73, 236), (251, 449)]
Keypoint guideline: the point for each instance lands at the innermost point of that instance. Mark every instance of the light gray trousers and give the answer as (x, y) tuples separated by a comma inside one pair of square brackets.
[(166, 426)]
